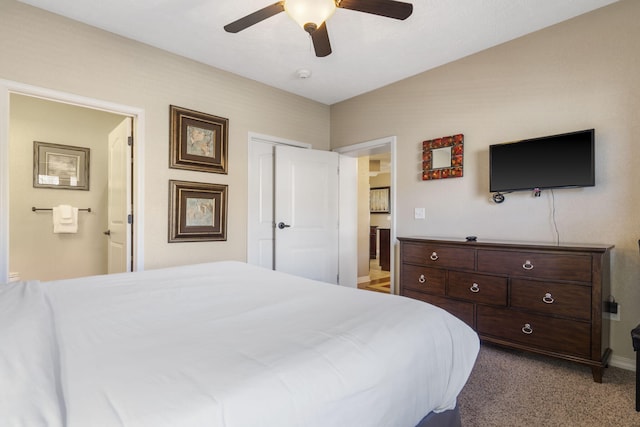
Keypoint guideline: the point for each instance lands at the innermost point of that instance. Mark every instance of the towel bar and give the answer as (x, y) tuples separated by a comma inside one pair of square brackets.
[(34, 209)]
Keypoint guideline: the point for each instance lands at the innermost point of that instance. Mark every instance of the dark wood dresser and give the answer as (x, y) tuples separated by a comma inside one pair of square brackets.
[(385, 249), (540, 298), (373, 238)]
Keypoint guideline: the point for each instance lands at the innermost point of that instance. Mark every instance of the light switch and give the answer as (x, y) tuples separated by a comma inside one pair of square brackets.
[(419, 213)]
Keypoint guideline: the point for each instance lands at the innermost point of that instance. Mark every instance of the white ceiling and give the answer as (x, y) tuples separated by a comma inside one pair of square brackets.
[(368, 51)]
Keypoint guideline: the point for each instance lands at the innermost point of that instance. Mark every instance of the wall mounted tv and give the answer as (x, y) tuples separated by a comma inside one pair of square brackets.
[(556, 161)]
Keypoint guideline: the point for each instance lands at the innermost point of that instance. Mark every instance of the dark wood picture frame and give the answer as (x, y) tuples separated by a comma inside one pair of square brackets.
[(197, 211), (379, 200), (60, 166), (198, 141)]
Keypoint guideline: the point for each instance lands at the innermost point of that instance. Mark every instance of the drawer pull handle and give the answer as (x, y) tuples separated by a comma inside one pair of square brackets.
[(475, 288), (527, 265), (434, 256), (527, 329), (422, 279), (548, 299)]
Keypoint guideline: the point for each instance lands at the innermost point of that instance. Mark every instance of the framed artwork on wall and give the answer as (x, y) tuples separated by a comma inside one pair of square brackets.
[(379, 199), (198, 141), (197, 212), (60, 166)]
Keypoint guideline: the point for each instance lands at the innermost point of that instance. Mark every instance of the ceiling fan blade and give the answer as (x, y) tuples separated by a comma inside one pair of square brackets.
[(255, 17), (387, 8), (321, 43)]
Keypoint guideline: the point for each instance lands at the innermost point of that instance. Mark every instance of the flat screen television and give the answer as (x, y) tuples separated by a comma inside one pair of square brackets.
[(556, 161)]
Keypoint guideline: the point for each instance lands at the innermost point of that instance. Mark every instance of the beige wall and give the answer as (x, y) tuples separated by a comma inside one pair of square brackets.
[(34, 251), (576, 75), (45, 50)]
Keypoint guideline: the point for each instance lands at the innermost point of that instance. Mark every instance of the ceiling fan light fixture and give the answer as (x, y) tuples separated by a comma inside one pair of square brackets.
[(310, 14)]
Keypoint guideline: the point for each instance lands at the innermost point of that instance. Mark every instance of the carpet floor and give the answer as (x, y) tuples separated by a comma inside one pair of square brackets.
[(517, 389)]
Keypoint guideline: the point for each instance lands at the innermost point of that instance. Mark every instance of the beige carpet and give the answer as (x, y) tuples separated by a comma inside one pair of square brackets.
[(512, 389)]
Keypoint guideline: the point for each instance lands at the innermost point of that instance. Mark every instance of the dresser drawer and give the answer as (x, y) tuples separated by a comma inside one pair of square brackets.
[(435, 255), (478, 287), (462, 310), (559, 299), (560, 335), (424, 279), (536, 264)]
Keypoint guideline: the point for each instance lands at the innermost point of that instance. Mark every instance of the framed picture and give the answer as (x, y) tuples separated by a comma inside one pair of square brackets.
[(60, 166), (379, 199), (197, 212), (198, 141)]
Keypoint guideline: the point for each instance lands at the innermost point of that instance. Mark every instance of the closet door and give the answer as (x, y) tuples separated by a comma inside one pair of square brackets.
[(306, 213)]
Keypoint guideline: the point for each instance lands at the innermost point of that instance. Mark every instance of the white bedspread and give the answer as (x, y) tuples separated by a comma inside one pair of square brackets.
[(223, 344)]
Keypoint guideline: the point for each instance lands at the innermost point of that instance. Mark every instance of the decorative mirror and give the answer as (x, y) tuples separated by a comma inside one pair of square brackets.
[(442, 157)]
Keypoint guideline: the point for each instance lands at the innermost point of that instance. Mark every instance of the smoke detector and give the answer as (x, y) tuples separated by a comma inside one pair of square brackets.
[(303, 73)]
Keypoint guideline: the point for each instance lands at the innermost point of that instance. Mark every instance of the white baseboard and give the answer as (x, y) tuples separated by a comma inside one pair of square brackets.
[(623, 363), (363, 279)]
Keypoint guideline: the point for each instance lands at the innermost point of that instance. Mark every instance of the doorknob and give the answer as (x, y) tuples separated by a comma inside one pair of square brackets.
[(107, 233), (282, 225)]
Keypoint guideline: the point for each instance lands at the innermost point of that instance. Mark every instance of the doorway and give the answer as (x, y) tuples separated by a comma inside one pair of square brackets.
[(260, 229), (304, 192), (376, 231), (378, 167), (39, 248), (9, 93)]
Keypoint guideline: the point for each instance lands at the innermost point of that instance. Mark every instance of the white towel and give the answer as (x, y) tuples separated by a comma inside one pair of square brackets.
[(65, 214), (65, 219)]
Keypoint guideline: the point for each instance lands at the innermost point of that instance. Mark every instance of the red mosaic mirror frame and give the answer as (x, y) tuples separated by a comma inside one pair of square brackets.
[(455, 169)]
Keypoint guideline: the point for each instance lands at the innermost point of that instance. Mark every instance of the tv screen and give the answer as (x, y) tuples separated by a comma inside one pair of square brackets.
[(565, 160)]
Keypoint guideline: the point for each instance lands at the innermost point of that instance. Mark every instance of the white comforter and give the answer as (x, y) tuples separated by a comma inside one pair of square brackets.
[(223, 344)]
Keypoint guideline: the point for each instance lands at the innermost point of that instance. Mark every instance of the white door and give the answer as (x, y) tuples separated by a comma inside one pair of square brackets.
[(260, 223), (306, 213), (119, 196)]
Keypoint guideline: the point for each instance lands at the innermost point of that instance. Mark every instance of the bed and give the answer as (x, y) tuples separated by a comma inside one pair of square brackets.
[(225, 344)]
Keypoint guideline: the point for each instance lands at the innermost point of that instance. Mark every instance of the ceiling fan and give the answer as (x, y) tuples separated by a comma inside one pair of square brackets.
[(311, 15)]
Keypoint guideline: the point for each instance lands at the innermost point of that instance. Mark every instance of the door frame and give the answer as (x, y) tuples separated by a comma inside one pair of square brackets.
[(376, 146), (8, 87), (386, 144), (347, 271)]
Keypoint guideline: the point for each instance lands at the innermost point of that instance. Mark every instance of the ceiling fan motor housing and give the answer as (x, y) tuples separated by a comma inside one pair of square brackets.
[(310, 27), (310, 14)]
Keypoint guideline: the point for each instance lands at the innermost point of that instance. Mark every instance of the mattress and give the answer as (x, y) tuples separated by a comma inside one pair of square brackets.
[(224, 344)]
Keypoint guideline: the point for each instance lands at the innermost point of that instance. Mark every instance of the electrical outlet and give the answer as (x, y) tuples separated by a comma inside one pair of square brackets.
[(611, 307), (612, 316), (419, 213)]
